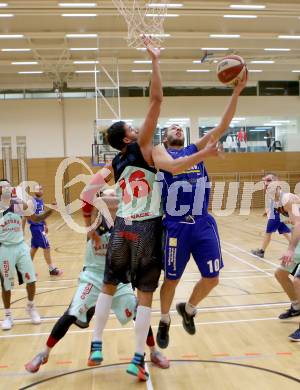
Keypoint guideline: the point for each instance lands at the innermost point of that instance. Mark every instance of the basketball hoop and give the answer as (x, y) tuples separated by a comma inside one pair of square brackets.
[(142, 20)]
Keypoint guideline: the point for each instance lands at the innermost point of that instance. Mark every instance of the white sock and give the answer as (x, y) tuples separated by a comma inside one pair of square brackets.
[(165, 318), (190, 309), (7, 312), (102, 310), (30, 303), (295, 305), (142, 324)]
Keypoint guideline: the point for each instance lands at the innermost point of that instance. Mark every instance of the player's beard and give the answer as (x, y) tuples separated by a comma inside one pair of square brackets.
[(175, 142)]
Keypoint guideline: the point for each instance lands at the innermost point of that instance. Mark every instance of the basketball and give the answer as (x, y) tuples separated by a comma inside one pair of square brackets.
[(230, 69)]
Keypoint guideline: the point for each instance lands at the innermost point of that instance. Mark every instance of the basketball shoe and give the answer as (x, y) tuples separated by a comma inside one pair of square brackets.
[(137, 367), (35, 364), (96, 356)]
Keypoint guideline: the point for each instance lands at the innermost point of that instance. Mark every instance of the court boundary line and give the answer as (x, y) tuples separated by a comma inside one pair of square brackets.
[(278, 373), (246, 262), (124, 329)]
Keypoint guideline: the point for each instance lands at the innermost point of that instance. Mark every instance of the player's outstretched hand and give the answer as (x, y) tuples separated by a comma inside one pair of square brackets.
[(154, 52), (287, 258), (211, 148), (241, 84)]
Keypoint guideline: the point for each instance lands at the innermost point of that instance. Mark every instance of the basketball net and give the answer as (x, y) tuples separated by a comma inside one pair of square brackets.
[(142, 20)]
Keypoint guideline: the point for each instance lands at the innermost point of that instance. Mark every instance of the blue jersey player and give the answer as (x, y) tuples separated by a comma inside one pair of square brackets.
[(189, 229), (39, 232), (274, 221)]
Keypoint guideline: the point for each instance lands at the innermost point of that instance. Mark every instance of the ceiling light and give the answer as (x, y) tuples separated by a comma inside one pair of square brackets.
[(83, 49), (240, 16), (24, 63), (141, 71), (280, 121), (296, 71), (3, 5), (254, 70), (198, 70), (11, 36), (224, 36), (289, 36), (6, 15), (77, 5), (85, 62), (261, 129), (262, 62), (87, 71), (276, 49), (79, 15), (16, 50), (247, 6), (142, 62), (81, 35), (167, 5), (32, 72), (215, 48)]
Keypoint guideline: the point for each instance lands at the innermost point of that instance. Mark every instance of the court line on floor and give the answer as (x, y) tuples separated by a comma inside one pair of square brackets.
[(178, 361), (149, 382), (251, 254), (246, 270), (183, 281), (207, 309), (124, 329), (246, 262), (260, 234)]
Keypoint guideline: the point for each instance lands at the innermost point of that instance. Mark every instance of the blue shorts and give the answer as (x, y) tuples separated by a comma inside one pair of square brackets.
[(39, 238), (198, 238), (275, 225)]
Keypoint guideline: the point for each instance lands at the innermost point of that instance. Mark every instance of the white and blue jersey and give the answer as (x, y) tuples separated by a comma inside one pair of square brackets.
[(38, 235), (274, 221), (190, 230)]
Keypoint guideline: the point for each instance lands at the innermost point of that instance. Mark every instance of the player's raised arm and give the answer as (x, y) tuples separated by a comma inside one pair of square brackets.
[(229, 112), (164, 161), (156, 96)]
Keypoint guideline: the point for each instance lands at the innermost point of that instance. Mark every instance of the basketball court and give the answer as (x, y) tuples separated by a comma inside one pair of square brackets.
[(66, 73)]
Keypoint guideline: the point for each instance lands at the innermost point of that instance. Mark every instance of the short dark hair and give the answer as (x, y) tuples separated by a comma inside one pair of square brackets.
[(115, 135)]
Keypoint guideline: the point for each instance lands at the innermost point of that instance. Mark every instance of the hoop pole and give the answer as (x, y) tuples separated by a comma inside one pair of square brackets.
[(118, 90), (96, 93)]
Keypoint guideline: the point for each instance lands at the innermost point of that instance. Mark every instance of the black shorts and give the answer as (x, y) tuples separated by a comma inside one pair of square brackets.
[(134, 254)]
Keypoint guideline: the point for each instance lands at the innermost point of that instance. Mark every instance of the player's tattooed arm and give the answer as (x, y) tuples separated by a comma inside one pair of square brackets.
[(227, 117), (291, 205), (165, 162), (97, 182)]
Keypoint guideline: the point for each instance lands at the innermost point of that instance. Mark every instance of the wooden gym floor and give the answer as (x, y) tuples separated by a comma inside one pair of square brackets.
[(239, 344)]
